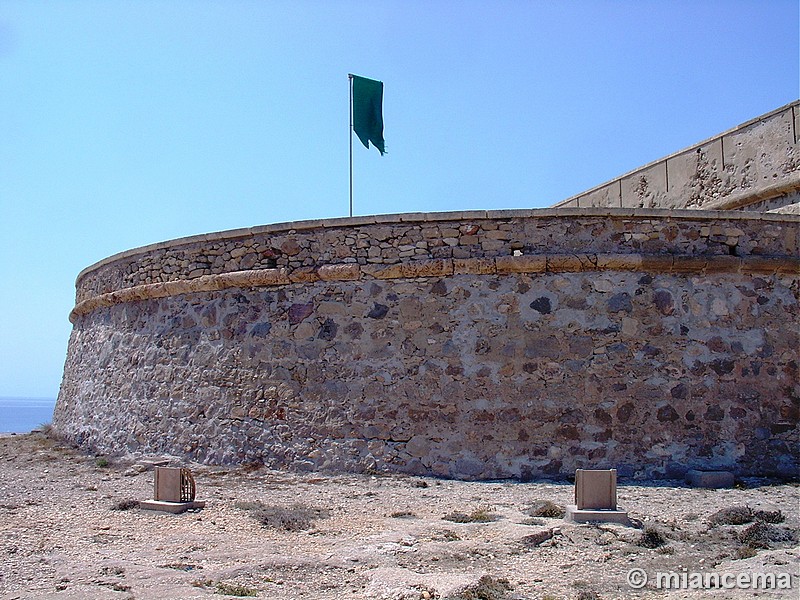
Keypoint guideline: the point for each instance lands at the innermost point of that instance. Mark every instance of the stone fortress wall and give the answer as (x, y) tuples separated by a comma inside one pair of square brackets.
[(472, 345)]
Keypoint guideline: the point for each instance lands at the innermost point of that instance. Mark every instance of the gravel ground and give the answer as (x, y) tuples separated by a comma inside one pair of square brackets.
[(283, 535)]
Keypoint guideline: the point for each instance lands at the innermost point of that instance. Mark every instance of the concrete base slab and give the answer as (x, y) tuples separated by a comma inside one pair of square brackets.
[(588, 515), (171, 507), (710, 479)]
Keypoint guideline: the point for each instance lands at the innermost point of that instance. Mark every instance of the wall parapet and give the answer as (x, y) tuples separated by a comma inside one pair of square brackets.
[(741, 168), (302, 251)]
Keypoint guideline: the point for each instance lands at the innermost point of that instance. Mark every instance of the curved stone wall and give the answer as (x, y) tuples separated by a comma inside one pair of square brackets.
[(469, 345)]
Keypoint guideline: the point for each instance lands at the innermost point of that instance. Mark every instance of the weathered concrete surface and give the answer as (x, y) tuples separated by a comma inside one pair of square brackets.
[(755, 163), (651, 343)]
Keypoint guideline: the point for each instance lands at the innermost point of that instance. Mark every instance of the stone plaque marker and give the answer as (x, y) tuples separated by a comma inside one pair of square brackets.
[(173, 491), (167, 486), (596, 489), (596, 498)]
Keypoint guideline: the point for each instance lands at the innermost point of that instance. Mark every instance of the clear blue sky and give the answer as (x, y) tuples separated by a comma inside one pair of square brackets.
[(127, 123)]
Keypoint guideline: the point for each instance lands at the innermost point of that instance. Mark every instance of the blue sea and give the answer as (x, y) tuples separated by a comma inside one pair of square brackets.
[(20, 415)]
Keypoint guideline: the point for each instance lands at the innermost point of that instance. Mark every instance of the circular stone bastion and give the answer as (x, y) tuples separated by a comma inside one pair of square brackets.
[(473, 345)]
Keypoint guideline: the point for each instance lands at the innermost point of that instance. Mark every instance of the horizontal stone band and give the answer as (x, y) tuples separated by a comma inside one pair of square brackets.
[(502, 265)]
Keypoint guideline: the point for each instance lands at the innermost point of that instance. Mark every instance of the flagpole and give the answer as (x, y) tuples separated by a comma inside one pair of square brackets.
[(350, 131)]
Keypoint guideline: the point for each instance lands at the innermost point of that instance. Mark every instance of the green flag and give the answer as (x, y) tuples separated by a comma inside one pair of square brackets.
[(368, 111)]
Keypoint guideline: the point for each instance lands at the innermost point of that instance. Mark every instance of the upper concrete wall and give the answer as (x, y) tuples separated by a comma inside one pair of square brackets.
[(755, 166)]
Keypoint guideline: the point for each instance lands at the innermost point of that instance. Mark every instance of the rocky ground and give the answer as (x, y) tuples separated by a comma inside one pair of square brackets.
[(69, 529)]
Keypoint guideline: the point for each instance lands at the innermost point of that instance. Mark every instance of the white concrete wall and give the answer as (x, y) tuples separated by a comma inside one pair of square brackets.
[(738, 169)]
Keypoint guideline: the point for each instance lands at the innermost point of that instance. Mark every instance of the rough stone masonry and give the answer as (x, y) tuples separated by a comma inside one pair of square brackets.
[(470, 345)]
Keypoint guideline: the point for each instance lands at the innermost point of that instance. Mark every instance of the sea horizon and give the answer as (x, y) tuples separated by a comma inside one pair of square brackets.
[(23, 414)]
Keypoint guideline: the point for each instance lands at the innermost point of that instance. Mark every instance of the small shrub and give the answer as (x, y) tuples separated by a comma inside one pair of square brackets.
[(248, 504), (446, 535), (481, 515), (234, 589), (761, 535), (545, 508), (651, 538), (533, 521), (101, 462), (487, 588), (126, 504), (457, 517), (403, 514), (735, 515), (251, 467), (587, 595), (770, 516), (743, 552), (180, 566), (289, 518)]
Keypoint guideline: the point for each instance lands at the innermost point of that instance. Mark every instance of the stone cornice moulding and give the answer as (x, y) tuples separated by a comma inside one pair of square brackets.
[(446, 267)]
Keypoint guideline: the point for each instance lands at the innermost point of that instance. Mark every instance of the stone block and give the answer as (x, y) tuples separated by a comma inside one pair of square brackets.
[(723, 264), (383, 272), (657, 263), (304, 275), (620, 262), (689, 264), (427, 268), (345, 272), (566, 263), (710, 479), (521, 264), (474, 266)]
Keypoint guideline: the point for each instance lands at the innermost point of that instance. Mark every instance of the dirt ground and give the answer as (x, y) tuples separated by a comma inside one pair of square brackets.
[(69, 529)]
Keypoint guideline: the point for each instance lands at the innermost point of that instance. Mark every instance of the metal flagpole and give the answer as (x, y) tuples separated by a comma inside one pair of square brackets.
[(350, 77)]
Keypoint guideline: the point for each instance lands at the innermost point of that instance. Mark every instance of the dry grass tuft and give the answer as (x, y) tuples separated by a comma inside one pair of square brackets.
[(480, 515), (545, 508), (288, 518), (487, 588), (651, 538), (770, 516), (734, 515), (126, 504), (763, 535)]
